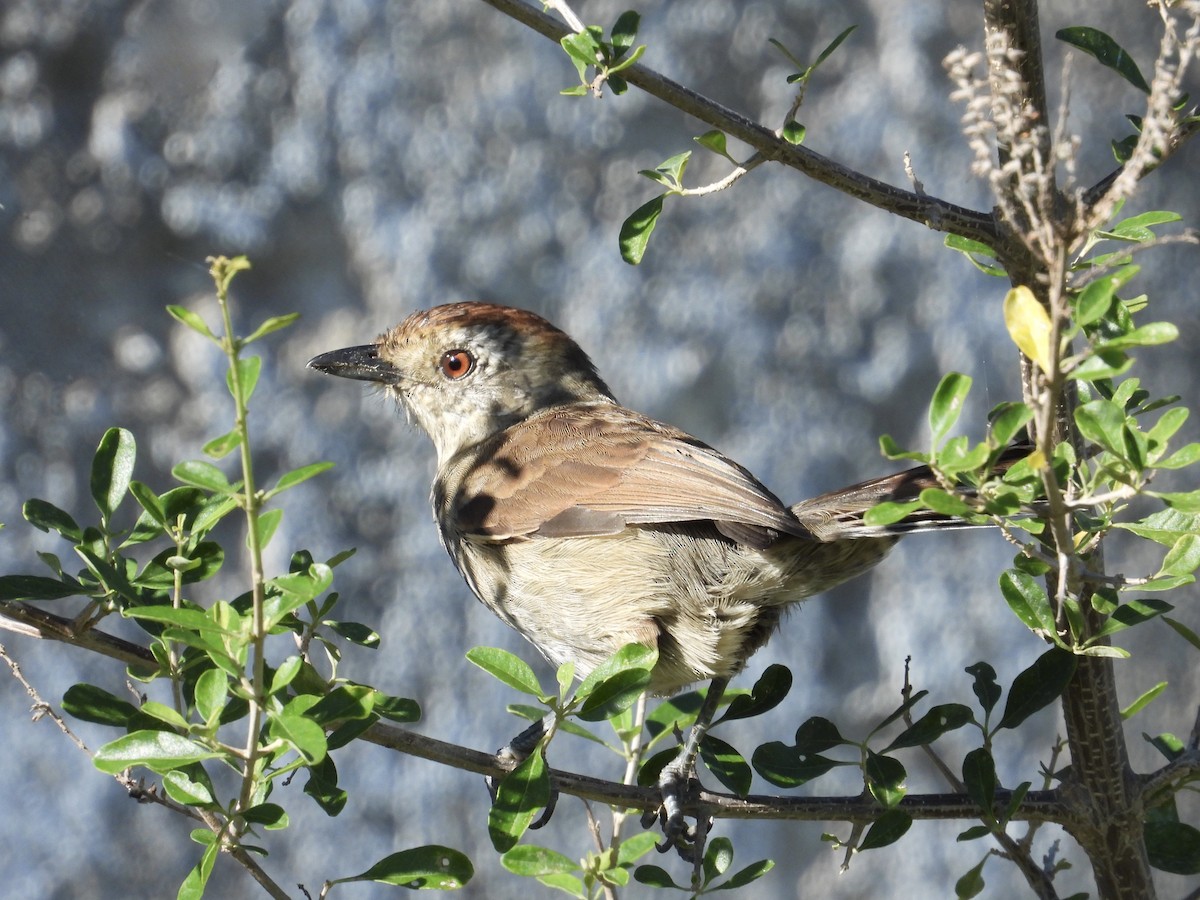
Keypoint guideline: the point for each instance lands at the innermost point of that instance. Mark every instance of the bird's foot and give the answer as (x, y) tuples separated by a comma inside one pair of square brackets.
[(512, 755), (675, 785)]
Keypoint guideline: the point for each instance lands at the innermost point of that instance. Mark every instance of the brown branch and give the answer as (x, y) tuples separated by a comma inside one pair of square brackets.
[(22, 618), (1037, 806), (1177, 140), (939, 215)]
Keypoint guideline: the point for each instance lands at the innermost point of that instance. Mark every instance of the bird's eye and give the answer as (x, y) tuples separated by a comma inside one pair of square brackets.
[(457, 364)]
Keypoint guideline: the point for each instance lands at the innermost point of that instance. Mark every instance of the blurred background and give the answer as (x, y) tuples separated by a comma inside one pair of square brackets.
[(373, 158)]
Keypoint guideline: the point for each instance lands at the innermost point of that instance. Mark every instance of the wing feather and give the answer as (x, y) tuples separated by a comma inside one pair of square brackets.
[(596, 468)]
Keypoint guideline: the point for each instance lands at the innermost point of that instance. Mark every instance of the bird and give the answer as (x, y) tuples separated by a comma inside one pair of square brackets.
[(587, 526)]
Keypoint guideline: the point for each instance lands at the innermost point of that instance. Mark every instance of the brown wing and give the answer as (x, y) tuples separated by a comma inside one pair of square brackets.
[(591, 469)]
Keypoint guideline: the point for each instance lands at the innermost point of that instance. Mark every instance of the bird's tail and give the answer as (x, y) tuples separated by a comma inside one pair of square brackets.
[(839, 514)]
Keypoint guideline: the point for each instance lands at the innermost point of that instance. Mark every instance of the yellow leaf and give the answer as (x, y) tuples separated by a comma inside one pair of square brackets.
[(1028, 325)]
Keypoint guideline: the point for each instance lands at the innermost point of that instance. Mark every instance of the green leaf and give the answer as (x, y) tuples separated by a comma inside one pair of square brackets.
[(193, 885), (889, 448), (202, 475), (304, 735), (48, 517), (816, 735), (297, 476), (531, 861), (727, 764), (614, 694), (973, 833), (112, 470), (972, 250), (887, 829), (1173, 847), (1027, 598), (748, 875), (89, 703), (768, 692), (164, 714), (269, 815), (1103, 422), (1096, 299), (522, 792), (979, 778), (506, 667), (624, 31), (1006, 419), (932, 725), (655, 876), (829, 48), (582, 48), (1135, 612), (322, 786), (885, 778), (159, 751), (1183, 631), (1183, 558), (355, 632), (433, 867), (273, 324), (945, 503), (784, 50), (674, 168), (1038, 686), (266, 524), (946, 405), (784, 766), (212, 693), (890, 512), (344, 702), (397, 709), (247, 368), (718, 857), (220, 447), (1149, 335), (38, 587), (715, 141), (1188, 502), (181, 788), (306, 585), (1138, 228), (191, 320), (793, 132), (636, 230), (971, 884), (1185, 456), (1164, 527), (1143, 701), (631, 657), (1096, 43), (183, 617), (153, 510), (286, 674)]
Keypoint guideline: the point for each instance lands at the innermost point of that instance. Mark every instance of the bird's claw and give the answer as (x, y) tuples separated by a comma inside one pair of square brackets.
[(687, 840), (515, 752)]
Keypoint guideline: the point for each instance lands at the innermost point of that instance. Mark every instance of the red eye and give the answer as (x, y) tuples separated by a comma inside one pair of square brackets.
[(457, 364)]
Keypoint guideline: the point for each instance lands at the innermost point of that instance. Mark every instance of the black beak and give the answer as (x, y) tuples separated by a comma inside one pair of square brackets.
[(361, 363)]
